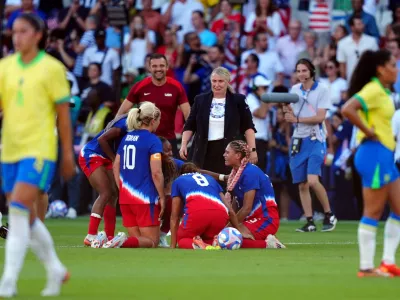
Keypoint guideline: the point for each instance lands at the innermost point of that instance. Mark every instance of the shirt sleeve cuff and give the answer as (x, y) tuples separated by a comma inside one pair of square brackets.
[(63, 100)]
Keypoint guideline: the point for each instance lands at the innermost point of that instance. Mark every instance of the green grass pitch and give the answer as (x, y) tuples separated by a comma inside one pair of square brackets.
[(314, 266)]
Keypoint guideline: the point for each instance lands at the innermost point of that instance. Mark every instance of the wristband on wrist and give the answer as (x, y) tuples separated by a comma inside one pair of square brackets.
[(221, 177)]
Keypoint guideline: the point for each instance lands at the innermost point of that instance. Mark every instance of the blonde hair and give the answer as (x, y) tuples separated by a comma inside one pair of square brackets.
[(143, 115), (225, 74)]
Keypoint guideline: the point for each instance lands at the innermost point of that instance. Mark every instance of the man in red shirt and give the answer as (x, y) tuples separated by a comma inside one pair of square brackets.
[(165, 92)]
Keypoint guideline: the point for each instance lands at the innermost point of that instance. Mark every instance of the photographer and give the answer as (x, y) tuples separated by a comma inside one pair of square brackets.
[(57, 49), (308, 147)]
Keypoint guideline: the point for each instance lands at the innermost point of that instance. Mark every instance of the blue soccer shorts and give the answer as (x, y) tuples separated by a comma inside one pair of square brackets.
[(37, 172), (375, 164), (308, 161)]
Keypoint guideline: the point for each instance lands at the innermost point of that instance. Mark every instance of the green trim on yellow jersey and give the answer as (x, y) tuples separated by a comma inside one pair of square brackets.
[(363, 105), (63, 100), (37, 58), (387, 91)]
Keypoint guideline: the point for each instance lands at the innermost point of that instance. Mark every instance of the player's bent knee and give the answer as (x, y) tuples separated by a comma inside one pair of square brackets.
[(303, 186)]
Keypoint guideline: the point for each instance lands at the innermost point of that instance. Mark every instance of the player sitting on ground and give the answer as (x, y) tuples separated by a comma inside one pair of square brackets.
[(95, 160), (165, 221), (138, 171), (205, 212), (255, 195)]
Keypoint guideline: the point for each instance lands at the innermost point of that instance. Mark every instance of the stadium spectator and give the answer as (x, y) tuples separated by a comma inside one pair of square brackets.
[(87, 40), (312, 52), (320, 20), (289, 47), (336, 84), (331, 49), (260, 111), (107, 58), (104, 91), (248, 73), (179, 12), (26, 7), (352, 47), (220, 25), (270, 63), (56, 48), (396, 15), (169, 48), (13, 5), (73, 17), (308, 143), (89, 3), (370, 27), (152, 18), (165, 92), (394, 47), (265, 19), (140, 42), (207, 37), (228, 118)]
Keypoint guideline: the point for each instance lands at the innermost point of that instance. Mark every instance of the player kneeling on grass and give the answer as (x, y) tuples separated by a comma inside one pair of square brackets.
[(255, 196), (205, 210), (138, 172)]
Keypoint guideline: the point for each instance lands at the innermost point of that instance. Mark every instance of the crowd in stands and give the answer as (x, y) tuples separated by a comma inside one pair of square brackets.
[(196, 36)]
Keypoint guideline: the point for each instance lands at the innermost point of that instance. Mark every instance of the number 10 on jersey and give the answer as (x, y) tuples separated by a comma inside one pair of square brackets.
[(129, 157)]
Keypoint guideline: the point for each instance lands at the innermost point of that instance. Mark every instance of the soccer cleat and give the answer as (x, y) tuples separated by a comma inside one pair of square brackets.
[(88, 240), (71, 214), (54, 283), (7, 289), (374, 273), (99, 240), (198, 243), (329, 224), (4, 231), (273, 242), (163, 241), (309, 227), (392, 269), (117, 241)]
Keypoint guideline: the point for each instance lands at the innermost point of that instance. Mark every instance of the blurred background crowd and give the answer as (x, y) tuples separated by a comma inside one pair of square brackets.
[(105, 45)]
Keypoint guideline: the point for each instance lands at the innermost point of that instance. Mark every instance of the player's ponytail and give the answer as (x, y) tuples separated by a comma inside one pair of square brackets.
[(242, 148), (38, 25), (169, 169), (143, 115)]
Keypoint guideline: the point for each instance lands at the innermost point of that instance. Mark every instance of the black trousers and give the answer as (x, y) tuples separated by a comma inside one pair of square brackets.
[(214, 159), (262, 148)]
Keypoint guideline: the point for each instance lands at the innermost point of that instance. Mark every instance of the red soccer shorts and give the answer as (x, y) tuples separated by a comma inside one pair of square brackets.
[(262, 227), (205, 223), (89, 164), (140, 215)]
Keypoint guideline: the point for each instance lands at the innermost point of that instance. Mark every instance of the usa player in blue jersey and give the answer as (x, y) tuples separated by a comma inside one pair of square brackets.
[(165, 221), (255, 195), (205, 210), (95, 160), (139, 173)]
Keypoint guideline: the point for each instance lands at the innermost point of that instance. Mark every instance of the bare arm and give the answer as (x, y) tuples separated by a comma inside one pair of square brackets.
[(107, 136), (185, 108), (214, 175), (343, 69), (158, 178), (232, 215), (350, 111), (125, 107), (65, 132), (247, 205), (116, 166), (165, 18), (262, 111), (69, 61), (66, 20), (174, 222), (250, 138)]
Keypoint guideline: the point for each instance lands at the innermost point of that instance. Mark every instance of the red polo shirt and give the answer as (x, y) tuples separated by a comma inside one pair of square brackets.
[(166, 97)]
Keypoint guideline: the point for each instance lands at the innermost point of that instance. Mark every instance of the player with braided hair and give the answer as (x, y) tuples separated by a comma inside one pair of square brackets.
[(96, 159), (258, 212)]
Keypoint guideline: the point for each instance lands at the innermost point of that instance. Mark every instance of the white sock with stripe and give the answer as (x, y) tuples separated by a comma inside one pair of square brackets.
[(367, 242), (392, 239)]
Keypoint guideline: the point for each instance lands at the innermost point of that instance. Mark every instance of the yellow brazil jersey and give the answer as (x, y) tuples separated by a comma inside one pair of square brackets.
[(378, 109), (28, 96)]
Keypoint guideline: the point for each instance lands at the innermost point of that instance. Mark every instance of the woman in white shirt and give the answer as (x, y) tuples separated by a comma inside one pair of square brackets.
[(265, 19), (138, 43), (336, 84)]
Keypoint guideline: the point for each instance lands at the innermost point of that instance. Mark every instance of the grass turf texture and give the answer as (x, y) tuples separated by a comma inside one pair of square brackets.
[(315, 266)]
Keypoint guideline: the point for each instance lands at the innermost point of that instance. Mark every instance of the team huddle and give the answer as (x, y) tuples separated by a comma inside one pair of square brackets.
[(158, 193)]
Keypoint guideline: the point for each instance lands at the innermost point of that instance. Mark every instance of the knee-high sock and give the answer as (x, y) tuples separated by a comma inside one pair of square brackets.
[(94, 224), (16, 244), (185, 243), (43, 246), (247, 243), (110, 215), (392, 239), (367, 242), (131, 242)]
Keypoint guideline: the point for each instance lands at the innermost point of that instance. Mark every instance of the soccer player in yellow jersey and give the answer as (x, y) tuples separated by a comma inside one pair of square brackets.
[(371, 109), (33, 91)]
